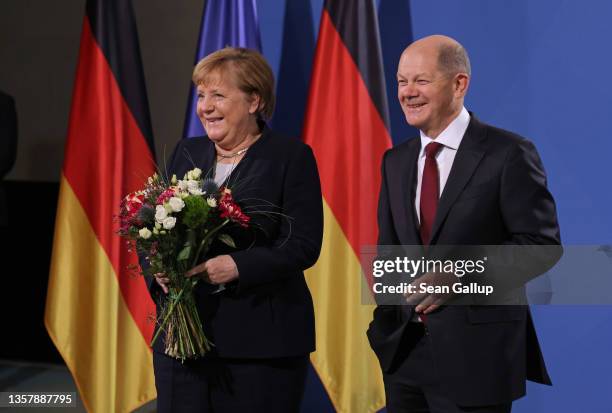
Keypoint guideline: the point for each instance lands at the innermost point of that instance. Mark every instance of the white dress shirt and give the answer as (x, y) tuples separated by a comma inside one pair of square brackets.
[(451, 138)]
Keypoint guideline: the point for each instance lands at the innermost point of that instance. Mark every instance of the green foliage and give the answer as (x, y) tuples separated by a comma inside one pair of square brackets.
[(184, 254), (195, 212), (227, 240)]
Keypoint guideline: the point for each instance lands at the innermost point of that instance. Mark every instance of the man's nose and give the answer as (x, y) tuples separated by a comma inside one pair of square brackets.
[(407, 93), (410, 90)]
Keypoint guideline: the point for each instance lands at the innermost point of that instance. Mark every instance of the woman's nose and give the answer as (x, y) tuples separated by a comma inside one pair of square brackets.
[(206, 105)]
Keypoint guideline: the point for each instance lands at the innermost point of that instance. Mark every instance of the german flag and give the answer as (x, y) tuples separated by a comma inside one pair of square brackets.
[(97, 312), (346, 125)]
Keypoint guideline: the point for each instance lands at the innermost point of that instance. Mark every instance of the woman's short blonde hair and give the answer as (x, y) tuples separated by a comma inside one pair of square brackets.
[(249, 70)]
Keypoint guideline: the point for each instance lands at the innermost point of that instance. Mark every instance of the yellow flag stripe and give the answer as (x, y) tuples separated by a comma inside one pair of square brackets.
[(344, 360), (88, 319)]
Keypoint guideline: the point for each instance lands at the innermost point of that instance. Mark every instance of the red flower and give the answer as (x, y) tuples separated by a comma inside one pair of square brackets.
[(164, 196), (230, 209), (132, 203), (128, 210)]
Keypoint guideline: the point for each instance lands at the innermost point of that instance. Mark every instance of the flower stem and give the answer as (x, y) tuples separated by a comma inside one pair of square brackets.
[(185, 318), (168, 314), (206, 239)]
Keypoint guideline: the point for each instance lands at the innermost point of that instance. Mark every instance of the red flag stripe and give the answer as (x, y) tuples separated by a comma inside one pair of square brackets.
[(349, 168), (106, 156)]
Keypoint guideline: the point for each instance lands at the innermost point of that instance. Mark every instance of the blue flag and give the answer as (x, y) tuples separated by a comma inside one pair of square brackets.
[(224, 23)]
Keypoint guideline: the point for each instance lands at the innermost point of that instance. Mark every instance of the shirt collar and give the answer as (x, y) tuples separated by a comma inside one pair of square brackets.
[(451, 136)]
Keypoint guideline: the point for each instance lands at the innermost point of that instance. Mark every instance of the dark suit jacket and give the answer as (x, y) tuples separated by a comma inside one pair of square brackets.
[(8, 147), (495, 194), (268, 312)]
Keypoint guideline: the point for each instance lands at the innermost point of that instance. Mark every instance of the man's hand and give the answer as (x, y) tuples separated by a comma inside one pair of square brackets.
[(218, 270), (427, 302)]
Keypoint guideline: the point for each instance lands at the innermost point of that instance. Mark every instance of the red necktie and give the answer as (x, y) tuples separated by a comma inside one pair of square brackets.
[(430, 191)]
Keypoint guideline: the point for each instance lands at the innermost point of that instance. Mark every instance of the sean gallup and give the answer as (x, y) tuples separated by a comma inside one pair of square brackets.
[(456, 288)]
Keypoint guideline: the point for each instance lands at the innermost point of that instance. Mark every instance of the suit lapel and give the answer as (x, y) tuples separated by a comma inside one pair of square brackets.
[(404, 212), (468, 157), (207, 160)]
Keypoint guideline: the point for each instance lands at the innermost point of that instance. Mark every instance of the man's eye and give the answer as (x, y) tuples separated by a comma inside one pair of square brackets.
[(401, 82), (422, 82)]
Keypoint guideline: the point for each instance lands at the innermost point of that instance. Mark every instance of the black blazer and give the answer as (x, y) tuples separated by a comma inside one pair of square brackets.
[(495, 194), (268, 312)]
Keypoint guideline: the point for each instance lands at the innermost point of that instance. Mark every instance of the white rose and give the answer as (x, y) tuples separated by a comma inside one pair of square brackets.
[(177, 204), (144, 233), (169, 223), (191, 184), (182, 185), (194, 188), (160, 213), (194, 173), (212, 202)]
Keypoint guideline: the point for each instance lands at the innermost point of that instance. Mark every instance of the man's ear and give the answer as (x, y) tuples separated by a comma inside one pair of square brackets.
[(461, 84)]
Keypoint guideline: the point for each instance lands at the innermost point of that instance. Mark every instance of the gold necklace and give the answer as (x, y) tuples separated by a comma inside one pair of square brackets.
[(233, 155)]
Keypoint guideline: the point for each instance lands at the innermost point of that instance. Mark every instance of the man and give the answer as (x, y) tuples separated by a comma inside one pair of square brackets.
[(462, 183)]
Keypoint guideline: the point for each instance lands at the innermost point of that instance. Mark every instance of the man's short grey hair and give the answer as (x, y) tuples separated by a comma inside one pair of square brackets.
[(453, 59)]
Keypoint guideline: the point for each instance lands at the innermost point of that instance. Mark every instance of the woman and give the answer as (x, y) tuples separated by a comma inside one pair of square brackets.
[(262, 322)]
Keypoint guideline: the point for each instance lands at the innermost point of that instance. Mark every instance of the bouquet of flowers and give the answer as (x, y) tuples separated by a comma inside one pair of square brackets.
[(172, 224)]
